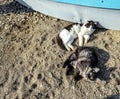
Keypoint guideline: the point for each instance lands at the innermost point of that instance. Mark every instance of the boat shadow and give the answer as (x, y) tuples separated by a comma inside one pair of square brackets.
[(14, 7), (117, 96)]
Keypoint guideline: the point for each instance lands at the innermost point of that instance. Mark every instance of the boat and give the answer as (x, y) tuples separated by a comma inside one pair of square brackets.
[(106, 12)]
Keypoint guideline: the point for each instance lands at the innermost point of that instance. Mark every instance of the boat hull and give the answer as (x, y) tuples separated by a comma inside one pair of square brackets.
[(107, 18)]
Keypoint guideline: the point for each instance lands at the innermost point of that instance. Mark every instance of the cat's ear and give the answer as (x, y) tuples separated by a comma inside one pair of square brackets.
[(74, 64), (73, 57), (96, 23)]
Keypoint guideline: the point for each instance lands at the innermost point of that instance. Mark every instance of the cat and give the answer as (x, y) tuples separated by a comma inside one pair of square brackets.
[(71, 32), (83, 62)]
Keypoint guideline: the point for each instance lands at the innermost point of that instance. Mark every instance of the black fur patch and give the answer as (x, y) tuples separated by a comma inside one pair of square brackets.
[(92, 56), (60, 43), (71, 25)]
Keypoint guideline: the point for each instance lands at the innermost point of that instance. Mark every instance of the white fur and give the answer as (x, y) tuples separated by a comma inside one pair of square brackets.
[(85, 34), (68, 37)]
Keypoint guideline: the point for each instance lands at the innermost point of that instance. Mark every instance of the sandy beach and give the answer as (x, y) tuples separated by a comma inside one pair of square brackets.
[(31, 60)]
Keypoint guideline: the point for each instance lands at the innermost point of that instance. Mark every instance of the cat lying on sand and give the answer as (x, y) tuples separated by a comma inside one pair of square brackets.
[(84, 64), (71, 32)]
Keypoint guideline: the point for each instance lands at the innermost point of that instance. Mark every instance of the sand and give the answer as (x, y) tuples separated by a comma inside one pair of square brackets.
[(31, 60)]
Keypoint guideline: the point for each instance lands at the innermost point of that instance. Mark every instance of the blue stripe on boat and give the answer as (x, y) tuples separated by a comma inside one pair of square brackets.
[(113, 4)]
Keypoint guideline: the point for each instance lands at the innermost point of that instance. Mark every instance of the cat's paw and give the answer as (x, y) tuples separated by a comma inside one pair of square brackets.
[(86, 38), (86, 41), (73, 48), (68, 49), (80, 43), (98, 80)]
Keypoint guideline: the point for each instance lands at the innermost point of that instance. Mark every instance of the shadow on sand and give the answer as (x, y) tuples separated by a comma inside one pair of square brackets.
[(14, 7), (105, 71), (113, 97), (98, 30)]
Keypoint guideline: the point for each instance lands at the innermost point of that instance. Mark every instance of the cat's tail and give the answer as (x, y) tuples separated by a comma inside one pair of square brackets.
[(60, 43)]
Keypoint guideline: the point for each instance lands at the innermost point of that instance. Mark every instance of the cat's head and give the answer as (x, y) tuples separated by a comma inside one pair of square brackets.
[(90, 25), (92, 74)]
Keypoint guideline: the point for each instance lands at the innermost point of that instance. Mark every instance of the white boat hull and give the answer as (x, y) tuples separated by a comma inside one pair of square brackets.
[(108, 18)]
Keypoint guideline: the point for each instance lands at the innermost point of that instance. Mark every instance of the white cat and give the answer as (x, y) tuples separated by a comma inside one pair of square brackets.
[(69, 33)]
